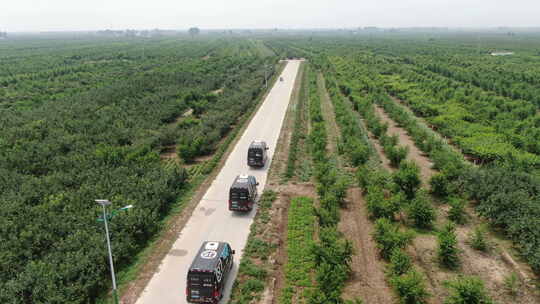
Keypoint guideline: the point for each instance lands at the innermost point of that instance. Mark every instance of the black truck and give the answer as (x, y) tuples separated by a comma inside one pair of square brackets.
[(208, 272), (243, 193), (257, 155)]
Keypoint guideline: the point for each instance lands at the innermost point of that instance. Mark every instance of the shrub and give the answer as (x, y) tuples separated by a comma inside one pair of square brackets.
[(400, 262), (477, 239), (421, 211), (457, 211), (467, 290), (359, 154), (439, 184), (378, 206), (512, 284), (408, 178), (328, 216), (448, 251), (368, 176), (396, 154), (388, 237), (410, 288)]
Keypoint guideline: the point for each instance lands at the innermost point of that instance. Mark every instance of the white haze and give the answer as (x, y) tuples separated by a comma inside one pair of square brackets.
[(59, 15)]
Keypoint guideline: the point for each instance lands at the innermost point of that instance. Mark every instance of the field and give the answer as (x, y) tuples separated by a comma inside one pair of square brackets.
[(445, 154), (88, 119), (407, 169)]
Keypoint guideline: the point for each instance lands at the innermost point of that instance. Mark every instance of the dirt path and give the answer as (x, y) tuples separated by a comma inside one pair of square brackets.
[(384, 161), (415, 154), (368, 280), (327, 108)]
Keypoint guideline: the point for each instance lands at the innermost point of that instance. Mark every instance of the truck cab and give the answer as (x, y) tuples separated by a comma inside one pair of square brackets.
[(243, 193), (257, 155), (209, 272)]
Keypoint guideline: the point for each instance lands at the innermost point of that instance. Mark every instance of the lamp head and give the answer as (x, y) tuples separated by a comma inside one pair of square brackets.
[(103, 202)]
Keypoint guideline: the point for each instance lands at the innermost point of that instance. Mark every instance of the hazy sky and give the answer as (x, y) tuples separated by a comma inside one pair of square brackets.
[(41, 15)]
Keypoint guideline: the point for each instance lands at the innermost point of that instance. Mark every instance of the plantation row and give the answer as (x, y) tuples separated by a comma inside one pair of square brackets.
[(61, 151), (486, 126), (299, 128), (318, 260), (388, 195), (385, 197), (497, 191), (505, 191), (333, 252)]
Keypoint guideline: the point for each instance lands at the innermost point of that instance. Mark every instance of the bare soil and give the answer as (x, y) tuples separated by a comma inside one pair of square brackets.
[(434, 128), (385, 162), (415, 154), (169, 152), (491, 267), (327, 108), (368, 280)]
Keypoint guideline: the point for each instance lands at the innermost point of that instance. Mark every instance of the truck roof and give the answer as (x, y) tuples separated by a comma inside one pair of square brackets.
[(241, 181), (257, 144), (207, 257)]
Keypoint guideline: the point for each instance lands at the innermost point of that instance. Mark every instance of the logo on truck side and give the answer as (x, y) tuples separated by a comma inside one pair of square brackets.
[(208, 254)]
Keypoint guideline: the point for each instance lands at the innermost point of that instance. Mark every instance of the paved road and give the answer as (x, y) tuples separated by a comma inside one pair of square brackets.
[(212, 220)]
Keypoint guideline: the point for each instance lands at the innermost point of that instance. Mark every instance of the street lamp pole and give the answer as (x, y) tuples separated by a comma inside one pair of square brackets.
[(104, 203), (265, 77)]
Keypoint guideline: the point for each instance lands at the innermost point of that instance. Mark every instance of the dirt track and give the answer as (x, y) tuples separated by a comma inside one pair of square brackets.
[(368, 280)]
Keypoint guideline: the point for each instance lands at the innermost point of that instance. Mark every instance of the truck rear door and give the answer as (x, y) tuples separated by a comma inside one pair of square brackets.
[(200, 287)]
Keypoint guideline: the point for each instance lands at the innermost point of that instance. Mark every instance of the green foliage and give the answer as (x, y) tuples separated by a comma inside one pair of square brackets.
[(332, 259), (468, 290), (381, 207), (410, 288), (421, 211), (373, 176), (457, 212), (332, 255), (408, 178), (512, 284), (300, 229), (448, 247), (389, 237), (299, 132), (86, 118), (439, 184), (252, 277), (512, 201), (477, 238), (400, 262), (396, 154)]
